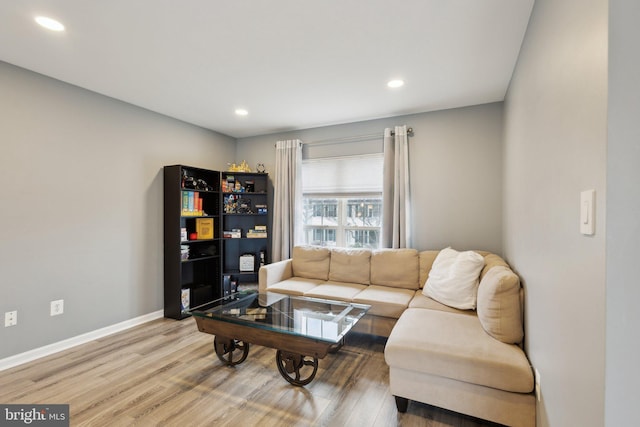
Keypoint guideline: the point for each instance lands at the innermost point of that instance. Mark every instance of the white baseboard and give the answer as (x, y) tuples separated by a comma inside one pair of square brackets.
[(47, 350)]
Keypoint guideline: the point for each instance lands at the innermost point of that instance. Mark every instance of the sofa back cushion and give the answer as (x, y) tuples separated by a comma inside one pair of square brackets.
[(350, 265), (499, 306), (311, 262), (398, 268), (490, 261), (426, 262)]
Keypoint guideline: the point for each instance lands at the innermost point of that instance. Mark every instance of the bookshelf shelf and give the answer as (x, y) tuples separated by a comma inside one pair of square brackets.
[(204, 258)]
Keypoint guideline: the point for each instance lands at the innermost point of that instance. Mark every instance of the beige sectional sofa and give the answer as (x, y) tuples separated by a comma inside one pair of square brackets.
[(468, 361)]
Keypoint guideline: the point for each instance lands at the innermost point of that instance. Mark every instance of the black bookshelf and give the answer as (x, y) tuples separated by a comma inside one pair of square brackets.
[(192, 263), (245, 227)]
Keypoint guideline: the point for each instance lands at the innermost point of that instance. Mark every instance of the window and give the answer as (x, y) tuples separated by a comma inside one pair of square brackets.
[(343, 221), (342, 200)]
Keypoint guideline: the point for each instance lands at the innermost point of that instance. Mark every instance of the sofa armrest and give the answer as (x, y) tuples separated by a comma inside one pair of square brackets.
[(273, 273)]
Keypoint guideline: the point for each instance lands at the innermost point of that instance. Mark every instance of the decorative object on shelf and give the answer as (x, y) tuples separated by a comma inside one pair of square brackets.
[(242, 167), (261, 209), (203, 251), (184, 252), (226, 285), (260, 168), (247, 262), (195, 183), (230, 204), (185, 299), (243, 206)]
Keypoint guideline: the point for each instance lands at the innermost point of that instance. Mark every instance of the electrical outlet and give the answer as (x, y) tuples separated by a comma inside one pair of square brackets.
[(538, 389), (10, 318), (57, 307)]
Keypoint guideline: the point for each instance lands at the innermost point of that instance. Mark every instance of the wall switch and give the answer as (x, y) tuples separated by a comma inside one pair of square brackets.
[(10, 318), (587, 212), (538, 389), (57, 307)]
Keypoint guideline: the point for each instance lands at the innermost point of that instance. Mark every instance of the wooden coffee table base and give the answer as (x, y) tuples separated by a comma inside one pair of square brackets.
[(296, 358)]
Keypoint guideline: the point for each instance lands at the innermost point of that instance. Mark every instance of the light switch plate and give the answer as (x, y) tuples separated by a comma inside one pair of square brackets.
[(587, 212)]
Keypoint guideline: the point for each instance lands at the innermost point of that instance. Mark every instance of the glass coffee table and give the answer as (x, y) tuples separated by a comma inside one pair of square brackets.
[(301, 329)]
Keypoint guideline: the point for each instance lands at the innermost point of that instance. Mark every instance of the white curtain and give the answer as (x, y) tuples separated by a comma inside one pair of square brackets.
[(396, 195), (287, 198)]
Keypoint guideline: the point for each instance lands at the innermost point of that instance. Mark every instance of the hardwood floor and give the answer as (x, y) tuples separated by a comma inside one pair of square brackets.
[(164, 373)]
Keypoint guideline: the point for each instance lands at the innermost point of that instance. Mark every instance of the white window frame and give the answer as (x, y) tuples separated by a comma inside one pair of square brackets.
[(342, 226)]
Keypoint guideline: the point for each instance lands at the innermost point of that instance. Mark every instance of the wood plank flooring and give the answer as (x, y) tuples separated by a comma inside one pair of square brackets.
[(164, 373)]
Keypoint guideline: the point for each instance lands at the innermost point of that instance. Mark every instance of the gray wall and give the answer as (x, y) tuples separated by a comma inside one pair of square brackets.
[(555, 147), (455, 162), (623, 216), (81, 212)]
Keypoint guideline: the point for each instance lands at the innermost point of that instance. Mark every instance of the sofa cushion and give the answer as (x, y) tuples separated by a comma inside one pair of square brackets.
[(295, 286), (420, 300), (311, 262), (499, 308), (385, 301), (340, 291), (453, 279), (426, 262), (350, 265), (490, 261), (453, 346), (398, 268)]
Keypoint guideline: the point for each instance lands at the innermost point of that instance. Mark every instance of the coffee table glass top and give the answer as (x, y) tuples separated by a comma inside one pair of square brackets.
[(321, 319)]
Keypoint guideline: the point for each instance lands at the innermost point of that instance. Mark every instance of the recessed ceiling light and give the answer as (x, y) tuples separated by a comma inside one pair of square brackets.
[(49, 24), (395, 83), (241, 112)]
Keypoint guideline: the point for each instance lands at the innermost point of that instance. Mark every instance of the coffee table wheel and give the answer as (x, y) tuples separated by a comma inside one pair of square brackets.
[(230, 351), (295, 368)]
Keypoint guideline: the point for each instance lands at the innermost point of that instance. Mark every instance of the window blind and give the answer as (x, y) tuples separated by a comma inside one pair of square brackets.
[(341, 175)]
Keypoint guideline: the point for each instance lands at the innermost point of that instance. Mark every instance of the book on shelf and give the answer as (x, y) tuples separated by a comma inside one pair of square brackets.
[(185, 202), (257, 233), (204, 228), (232, 234), (192, 198), (191, 203)]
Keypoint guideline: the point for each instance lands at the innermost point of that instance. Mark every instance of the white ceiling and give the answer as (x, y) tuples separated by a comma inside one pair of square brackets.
[(293, 64)]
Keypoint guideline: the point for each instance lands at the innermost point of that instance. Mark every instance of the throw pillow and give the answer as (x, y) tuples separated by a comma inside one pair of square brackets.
[(453, 279), (499, 308)]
